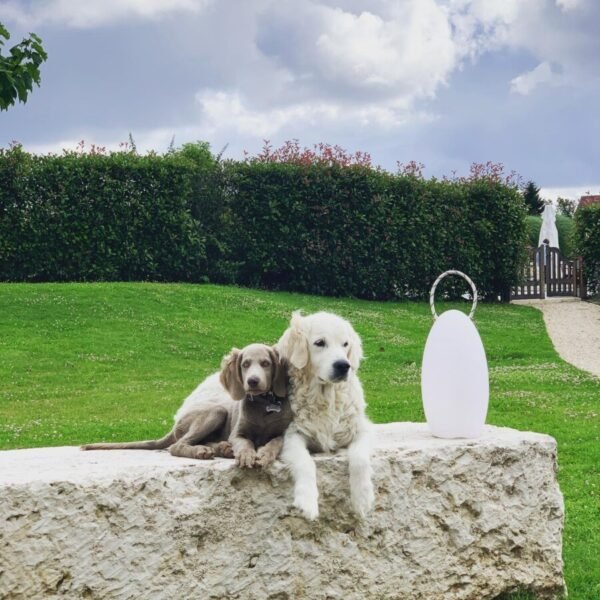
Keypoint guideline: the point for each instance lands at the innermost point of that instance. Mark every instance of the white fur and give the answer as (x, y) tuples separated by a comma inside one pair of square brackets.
[(296, 455), (209, 392), (328, 413)]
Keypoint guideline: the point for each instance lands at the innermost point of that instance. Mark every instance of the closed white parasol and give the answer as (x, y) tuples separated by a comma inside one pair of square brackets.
[(548, 230)]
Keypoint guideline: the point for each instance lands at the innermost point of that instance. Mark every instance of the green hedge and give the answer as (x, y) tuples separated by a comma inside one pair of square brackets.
[(332, 230), (98, 217), (361, 232), (587, 241)]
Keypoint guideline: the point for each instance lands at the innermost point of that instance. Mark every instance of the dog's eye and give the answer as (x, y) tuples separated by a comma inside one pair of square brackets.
[(245, 364), (345, 344), (320, 343), (265, 363)]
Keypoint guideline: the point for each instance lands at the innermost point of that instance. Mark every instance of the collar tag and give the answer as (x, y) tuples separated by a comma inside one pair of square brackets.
[(272, 402), (274, 407)]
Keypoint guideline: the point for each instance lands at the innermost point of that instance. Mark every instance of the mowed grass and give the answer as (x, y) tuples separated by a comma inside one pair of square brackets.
[(90, 362)]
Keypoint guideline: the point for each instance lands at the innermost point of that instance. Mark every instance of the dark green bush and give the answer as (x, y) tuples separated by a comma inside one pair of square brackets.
[(366, 233), (534, 225), (206, 205), (587, 241), (96, 217), (319, 227), (316, 228)]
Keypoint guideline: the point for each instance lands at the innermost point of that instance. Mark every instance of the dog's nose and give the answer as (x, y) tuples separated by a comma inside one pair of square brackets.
[(253, 381), (341, 368)]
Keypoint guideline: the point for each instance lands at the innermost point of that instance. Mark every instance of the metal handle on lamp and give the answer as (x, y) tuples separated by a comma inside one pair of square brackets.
[(435, 284)]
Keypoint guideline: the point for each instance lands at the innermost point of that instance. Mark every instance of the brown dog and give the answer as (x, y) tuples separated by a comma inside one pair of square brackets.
[(213, 422), (264, 412)]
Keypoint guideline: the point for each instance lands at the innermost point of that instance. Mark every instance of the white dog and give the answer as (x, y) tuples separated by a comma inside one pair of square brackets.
[(324, 352)]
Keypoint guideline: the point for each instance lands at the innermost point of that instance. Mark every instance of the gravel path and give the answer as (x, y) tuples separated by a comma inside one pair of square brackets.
[(574, 328)]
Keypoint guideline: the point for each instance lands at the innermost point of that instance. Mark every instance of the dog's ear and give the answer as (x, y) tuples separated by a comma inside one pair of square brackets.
[(355, 351), (231, 374), (280, 377), (293, 345)]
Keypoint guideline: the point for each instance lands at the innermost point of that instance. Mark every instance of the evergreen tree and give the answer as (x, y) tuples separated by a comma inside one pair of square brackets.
[(531, 196)]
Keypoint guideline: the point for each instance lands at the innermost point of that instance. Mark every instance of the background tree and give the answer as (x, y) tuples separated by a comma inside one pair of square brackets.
[(531, 195), (566, 207), (19, 69)]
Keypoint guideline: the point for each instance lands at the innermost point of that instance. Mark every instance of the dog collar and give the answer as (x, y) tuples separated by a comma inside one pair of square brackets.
[(272, 402)]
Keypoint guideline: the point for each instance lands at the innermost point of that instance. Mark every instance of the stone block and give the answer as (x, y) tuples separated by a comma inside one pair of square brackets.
[(453, 519)]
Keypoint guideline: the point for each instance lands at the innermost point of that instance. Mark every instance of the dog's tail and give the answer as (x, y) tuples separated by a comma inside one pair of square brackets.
[(164, 442)]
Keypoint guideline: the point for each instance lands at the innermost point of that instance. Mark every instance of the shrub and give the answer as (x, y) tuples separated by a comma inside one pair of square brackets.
[(320, 220), (355, 231), (566, 207), (587, 240), (534, 224), (206, 205), (290, 152), (98, 217)]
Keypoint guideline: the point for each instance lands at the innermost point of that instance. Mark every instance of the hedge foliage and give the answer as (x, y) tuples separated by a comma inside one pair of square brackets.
[(88, 217), (587, 241), (317, 228), (366, 233)]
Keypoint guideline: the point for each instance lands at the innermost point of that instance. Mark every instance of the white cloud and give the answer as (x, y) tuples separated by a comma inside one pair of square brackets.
[(72, 144), (223, 110), (93, 13), (226, 118), (567, 5), (572, 192), (558, 34), (412, 52), (526, 83), (397, 55), (368, 67), (226, 110), (483, 25)]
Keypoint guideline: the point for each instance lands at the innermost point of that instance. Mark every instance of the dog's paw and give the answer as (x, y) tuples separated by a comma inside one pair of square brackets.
[(362, 497), (246, 458), (307, 504), (203, 452), (265, 457), (224, 449)]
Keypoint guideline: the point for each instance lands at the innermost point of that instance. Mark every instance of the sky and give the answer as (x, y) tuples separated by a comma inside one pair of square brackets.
[(442, 82)]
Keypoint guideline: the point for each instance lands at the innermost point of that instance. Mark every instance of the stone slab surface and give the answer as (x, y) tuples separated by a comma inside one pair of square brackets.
[(464, 519)]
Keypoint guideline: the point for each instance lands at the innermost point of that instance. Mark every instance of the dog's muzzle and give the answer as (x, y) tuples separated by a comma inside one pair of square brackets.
[(340, 370)]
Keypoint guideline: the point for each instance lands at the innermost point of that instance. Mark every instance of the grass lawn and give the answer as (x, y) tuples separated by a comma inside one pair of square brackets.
[(91, 362)]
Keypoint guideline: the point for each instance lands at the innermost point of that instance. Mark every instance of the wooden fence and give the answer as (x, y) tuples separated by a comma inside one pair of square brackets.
[(549, 273)]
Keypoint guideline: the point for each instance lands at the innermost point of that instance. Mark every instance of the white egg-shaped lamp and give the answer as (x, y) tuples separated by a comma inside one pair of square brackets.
[(454, 375)]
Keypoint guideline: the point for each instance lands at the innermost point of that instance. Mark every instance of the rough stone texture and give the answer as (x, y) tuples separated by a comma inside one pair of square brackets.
[(453, 519)]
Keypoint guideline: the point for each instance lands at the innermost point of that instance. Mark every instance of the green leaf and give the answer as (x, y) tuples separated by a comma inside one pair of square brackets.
[(20, 69)]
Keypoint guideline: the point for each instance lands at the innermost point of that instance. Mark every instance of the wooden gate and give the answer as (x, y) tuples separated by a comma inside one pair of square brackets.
[(548, 273), (563, 277)]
